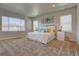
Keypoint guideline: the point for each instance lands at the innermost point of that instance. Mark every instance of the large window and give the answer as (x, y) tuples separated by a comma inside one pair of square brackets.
[(5, 24), (66, 23), (12, 24), (35, 25)]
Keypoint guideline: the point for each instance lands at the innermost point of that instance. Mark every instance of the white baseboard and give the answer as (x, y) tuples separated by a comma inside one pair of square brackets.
[(72, 40), (12, 37)]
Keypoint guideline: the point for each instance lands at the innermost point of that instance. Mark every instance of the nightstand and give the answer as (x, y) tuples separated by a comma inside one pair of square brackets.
[(60, 35)]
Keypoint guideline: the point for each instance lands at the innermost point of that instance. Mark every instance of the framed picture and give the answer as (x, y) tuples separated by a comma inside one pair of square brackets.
[(50, 19)]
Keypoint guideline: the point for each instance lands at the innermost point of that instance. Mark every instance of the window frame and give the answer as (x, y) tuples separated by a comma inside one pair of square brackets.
[(35, 24), (18, 28), (66, 24)]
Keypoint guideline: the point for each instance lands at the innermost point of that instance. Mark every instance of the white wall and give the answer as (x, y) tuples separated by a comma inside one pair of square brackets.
[(28, 24), (9, 14), (57, 15), (78, 23)]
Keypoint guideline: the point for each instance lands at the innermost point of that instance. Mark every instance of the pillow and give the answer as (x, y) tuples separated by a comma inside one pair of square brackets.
[(42, 30), (51, 29)]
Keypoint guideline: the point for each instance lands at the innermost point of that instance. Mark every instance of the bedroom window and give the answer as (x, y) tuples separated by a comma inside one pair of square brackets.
[(5, 24), (22, 25), (66, 23), (35, 25), (12, 24)]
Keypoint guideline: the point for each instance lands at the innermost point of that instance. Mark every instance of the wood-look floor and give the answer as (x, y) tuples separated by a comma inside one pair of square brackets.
[(22, 47), (65, 48)]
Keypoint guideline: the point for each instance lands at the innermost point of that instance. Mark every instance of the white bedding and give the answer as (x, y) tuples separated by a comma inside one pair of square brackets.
[(43, 37)]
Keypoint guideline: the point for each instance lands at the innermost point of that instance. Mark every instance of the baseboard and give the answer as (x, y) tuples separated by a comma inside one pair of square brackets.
[(12, 37), (70, 39)]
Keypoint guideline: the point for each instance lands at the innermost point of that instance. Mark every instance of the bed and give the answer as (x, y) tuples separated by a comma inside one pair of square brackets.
[(43, 37)]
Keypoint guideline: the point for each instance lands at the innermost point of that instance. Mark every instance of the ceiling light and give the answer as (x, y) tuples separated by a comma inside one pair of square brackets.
[(53, 5)]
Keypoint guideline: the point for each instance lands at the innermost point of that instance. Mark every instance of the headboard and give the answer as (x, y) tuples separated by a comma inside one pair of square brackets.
[(47, 28)]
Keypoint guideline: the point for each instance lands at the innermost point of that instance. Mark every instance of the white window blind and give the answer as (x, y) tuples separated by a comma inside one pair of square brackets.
[(12, 24), (66, 23), (5, 24), (35, 25)]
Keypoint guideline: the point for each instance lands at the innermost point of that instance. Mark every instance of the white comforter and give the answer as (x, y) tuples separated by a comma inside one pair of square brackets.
[(41, 37)]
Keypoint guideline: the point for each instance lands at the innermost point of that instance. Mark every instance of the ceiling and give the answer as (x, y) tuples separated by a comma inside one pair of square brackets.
[(34, 9)]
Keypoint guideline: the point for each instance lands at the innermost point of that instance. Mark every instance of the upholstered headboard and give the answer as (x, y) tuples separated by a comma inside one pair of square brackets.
[(47, 29)]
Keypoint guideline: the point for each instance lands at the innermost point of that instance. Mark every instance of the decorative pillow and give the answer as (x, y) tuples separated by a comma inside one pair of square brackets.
[(51, 29)]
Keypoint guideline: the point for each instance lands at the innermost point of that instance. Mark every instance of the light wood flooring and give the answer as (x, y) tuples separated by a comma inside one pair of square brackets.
[(65, 48), (24, 47)]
